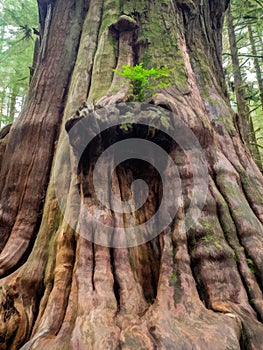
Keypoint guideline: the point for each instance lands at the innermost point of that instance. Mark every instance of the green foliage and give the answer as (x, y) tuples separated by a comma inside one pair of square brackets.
[(17, 20), (145, 82), (236, 256), (247, 14), (210, 238), (174, 278), (251, 265)]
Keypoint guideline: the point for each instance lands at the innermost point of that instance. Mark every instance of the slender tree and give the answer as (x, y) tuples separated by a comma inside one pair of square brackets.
[(256, 63), (194, 288), (245, 122), (238, 81)]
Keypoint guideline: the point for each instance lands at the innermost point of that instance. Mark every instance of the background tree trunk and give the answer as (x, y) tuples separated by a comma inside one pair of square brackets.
[(244, 120), (196, 290), (12, 111), (256, 63)]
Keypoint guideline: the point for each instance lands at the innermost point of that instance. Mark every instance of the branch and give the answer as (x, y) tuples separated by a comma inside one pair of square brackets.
[(243, 55), (256, 144), (259, 3), (254, 109), (244, 62)]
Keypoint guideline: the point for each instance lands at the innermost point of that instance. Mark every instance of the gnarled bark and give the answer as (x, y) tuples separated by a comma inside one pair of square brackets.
[(200, 289)]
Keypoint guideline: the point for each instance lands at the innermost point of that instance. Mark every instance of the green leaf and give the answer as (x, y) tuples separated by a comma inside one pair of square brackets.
[(143, 81)]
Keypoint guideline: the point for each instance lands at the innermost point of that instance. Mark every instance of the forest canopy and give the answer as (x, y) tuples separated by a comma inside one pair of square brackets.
[(18, 32)]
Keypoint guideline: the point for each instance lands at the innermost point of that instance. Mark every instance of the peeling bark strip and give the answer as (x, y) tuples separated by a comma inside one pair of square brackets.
[(200, 289)]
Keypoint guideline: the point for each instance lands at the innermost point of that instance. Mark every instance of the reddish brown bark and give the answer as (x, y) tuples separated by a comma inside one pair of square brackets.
[(200, 289)]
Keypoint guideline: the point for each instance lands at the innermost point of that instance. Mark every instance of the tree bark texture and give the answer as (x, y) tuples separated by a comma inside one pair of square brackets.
[(196, 290)]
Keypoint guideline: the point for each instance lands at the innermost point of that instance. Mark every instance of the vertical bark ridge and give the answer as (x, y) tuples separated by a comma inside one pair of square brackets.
[(130, 291), (214, 262), (105, 56), (249, 281), (118, 89), (129, 319), (4, 140), (234, 150), (168, 315), (19, 212), (103, 316), (249, 228), (219, 298), (144, 259), (251, 184), (245, 185), (82, 75)]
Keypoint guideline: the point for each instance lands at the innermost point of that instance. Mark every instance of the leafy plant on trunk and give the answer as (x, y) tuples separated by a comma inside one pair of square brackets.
[(144, 82)]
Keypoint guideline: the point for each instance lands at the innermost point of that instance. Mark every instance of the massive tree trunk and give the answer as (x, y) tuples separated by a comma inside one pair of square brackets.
[(197, 284)]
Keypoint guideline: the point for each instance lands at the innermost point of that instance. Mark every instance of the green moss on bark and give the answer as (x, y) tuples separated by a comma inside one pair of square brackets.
[(158, 44)]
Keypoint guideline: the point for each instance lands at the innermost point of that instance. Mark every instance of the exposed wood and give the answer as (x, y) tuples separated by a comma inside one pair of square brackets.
[(184, 289)]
